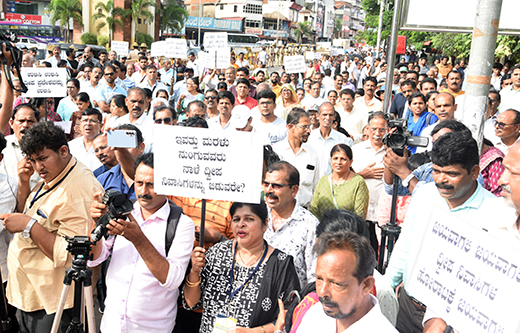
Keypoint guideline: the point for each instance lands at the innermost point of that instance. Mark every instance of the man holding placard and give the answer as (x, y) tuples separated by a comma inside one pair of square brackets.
[(455, 189)]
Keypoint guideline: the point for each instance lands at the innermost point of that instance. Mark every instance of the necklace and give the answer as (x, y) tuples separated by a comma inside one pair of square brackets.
[(256, 260), (337, 182)]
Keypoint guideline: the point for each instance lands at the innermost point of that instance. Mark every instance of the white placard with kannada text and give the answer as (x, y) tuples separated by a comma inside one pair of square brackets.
[(45, 82), (215, 40), (468, 277), (317, 55), (207, 164), (294, 64), (224, 57), (159, 49), (207, 59), (121, 48), (176, 48)]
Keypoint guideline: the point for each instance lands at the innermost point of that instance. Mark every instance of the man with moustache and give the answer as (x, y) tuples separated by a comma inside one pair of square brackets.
[(135, 102), (369, 103), (455, 165), (295, 150), (344, 279), (225, 102), (507, 130), (454, 82), (210, 99), (291, 228), (104, 153)]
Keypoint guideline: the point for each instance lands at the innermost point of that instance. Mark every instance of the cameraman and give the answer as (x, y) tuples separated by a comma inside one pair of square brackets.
[(140, 265)]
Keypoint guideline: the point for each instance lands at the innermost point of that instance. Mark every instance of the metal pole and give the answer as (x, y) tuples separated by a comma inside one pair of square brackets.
[(390, 56), (200, 18), (380, 27), (480, 64)]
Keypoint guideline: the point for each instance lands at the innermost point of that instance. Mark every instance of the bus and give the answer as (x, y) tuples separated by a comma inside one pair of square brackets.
[(245, 40), (40, 33)]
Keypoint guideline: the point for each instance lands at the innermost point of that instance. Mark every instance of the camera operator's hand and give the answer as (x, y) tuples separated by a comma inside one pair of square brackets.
[(15, 223), (396, 164), (7, 55), (129, 229), (371, 171), (97, 209)]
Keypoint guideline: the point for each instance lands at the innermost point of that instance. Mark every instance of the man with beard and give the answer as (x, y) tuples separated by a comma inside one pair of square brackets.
[(105, 91), (274, 80), (88, 55), (104, 154), (210, 98), (369, 103), (291, 228), (454, 82), (344, 279), (455, 165), (295, 150)]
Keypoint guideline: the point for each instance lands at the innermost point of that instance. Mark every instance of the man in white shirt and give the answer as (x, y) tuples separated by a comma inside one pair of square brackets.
[(193, 64), (369, 103), (225, 102), (295, 150), (241, 62), (82, 148), (511, 94), (313, 101), (353, 119), (139, 76), (262, 56), (142, 263), (271, 128), (90, 86), (325, 137), (507, 129), (151, 82), (344, 259)]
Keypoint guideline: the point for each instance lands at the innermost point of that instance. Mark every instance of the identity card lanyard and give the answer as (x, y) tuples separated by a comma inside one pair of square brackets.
[(37, 197), (231, 292), (332, 191)]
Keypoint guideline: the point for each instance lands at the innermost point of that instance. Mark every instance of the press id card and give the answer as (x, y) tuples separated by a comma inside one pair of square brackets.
[(224, 324)]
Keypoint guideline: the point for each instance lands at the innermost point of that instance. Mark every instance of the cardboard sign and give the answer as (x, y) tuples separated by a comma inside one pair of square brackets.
[(207, 59), (176, 48), (223, 57), (294, 64), (466, 276), (207, 164), (45, 82), (215, 40), (121, 48), (159, 49), (309, 55)]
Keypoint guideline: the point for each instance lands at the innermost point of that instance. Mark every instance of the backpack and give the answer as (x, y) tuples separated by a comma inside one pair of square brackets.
[(171, 227)]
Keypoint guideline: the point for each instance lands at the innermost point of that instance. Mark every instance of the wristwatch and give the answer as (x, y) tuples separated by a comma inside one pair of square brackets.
[(406, 181), (27, 232)]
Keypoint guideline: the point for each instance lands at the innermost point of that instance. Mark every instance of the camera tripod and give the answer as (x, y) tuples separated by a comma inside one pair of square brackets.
[(80, 247)]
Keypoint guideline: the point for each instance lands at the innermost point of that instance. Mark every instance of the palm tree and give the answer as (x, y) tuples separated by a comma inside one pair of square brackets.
[(173, 17), (303, 29), (140, 11), (110, 16), (64, 10)]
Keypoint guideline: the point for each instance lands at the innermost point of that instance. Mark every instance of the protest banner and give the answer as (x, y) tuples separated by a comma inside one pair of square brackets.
[(64, 125), (207, 164), (223, 57), (317, 55), (294, 64), (176, 48), (468, 277), (158, 49), (215, 40), (44, 82), (121, 48), (309, 55), (207, 59)]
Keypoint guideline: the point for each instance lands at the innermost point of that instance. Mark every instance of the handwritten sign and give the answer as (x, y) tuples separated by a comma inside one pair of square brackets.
[(45, 82), (294, 64), (176, 48), (159, 49), (317, 55), (223, 57), (121, 48), (466, 276), (207, 164), (207, 59), (215, 40)]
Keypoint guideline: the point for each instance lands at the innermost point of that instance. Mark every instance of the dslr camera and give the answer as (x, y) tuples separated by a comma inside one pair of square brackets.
[(401, 137), (119, 206), (9, 41)]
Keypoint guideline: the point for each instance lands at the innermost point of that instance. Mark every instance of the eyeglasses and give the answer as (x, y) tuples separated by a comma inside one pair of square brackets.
[(167, 120), (275, 186), (501, 125), (89, 121), (304, 127), (210, 97), (266, 103), (222, 79), (380, 130)]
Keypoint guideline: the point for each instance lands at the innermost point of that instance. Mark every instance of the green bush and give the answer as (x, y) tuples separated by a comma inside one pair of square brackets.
[(102, 40), (89, 38), (145, 38)]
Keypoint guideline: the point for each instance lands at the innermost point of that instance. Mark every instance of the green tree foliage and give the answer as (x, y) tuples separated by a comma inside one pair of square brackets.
[(110, 16), (173, 17), (102, 40), (145, 38), (303, 29), (140, 10), (338, 25), (89, 38), (64, 10)]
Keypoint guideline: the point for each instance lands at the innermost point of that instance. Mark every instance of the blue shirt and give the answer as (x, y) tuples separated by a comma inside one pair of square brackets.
[(104, 93), (166, 77), (128, 82), (113, 179), (102, 169)]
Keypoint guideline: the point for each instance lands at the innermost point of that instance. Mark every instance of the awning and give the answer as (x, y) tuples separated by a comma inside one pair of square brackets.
[(296, 7), (275, 16)]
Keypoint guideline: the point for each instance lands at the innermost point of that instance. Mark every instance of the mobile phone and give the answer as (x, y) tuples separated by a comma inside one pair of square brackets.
[(122, 138)]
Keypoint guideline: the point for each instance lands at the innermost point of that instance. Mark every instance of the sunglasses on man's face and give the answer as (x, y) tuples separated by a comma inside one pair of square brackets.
[(167, 120)]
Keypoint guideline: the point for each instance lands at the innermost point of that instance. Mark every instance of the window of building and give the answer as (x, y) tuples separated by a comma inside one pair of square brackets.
[(221, 7), (253, 9), (253, 24), (25, 8), (235, 9)]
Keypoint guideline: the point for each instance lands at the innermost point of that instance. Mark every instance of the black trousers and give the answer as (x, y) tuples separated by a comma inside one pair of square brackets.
[(371, 226), (410, 315), (187, 321)]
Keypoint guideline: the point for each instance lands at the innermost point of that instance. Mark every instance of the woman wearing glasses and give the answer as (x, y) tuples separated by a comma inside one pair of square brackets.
[(343, 188), (118, 109), (238, 282), (193, 93)]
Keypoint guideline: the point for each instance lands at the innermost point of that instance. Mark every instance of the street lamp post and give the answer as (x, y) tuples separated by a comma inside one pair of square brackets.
[(200, 17)]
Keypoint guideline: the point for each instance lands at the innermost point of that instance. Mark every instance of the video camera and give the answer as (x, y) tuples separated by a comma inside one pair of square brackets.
[(17, 56), (401, 137), (119, 206)]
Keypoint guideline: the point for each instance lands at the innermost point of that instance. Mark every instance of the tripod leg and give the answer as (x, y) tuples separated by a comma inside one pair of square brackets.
[(89, 303), (59, 311)]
